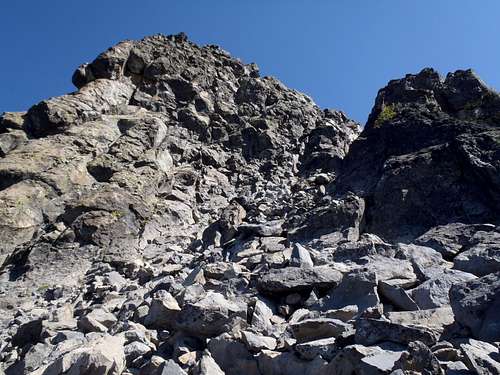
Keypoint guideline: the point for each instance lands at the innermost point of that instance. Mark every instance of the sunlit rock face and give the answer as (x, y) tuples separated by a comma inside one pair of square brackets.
[(180, 214)]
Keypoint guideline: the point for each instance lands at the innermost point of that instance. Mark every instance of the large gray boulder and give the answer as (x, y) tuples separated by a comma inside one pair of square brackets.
[(482, 255), (209, 316), (480, 357), (357, 288), (100, 355), (434, 292), (475, 305), (451, 239)]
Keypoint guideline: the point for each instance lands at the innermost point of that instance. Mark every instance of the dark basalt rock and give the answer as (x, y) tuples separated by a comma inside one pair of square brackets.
[(178, 213), (426, 156)]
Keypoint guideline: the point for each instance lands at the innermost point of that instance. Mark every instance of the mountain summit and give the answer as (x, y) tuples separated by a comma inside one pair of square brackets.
[(181, 214)]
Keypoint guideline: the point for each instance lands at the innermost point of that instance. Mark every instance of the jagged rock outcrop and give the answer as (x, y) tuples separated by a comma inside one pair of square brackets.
[(180, 214), (428, 156)]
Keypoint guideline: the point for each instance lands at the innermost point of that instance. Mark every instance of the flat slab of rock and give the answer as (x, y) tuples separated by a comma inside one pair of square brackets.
[(373, 331), (295, 279), (314, 329), (278, 363), (325, 348), (481, 357), (359, 359), (433, 319)]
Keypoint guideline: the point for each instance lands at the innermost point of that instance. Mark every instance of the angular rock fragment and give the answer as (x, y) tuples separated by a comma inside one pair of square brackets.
[(255, 342), (100, 355), (482, 256), (434, 292), (294, 279), (358, 288), (314, 329), (373, 331), (271, 362), (419, 359), (480, 357), (208, 317), (232, 356), (396, 295), (163, 311), (325, 348), (208, 366), (450, 239), (435, 320), (475, 304), (365, 359), (300, 257)]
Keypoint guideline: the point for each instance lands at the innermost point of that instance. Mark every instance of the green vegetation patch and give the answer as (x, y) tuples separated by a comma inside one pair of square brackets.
[(388, 113)]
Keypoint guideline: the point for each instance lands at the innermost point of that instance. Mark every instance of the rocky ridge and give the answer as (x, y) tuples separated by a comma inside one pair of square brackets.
[(180, 214)]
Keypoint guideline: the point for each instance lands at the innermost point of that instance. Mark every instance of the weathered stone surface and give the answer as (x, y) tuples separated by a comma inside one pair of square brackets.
[(434, 319), (300, 257), (357, 288), (180, 214), (481, 357), (232, 356), (98, 320), (100, 355), (208, 366), (255, 342), (342, 217), (271, 362), (373, 331), (475, 305), (450, 239), (293, 279), (365, 360), (397, 295), (482, 255), (325, 348), (418, 359), (98, 97), (163, 311), (28, 332), (209, 316), (170, 367), (314, 329), (411, 136), (136, 351), (434, 292), (261, 316)]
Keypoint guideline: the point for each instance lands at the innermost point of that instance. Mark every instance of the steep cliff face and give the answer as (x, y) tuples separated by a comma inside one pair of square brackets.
[(428, 155), (181, 214)]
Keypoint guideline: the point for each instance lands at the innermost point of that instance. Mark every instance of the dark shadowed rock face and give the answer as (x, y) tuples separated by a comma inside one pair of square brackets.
[(180, 214), (429, 155)]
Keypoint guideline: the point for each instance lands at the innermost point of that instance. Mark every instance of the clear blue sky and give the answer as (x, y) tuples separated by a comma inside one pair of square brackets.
[(340, 52)]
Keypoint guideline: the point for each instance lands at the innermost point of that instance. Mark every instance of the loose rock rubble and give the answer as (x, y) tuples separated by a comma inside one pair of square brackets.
[(180, 214)]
